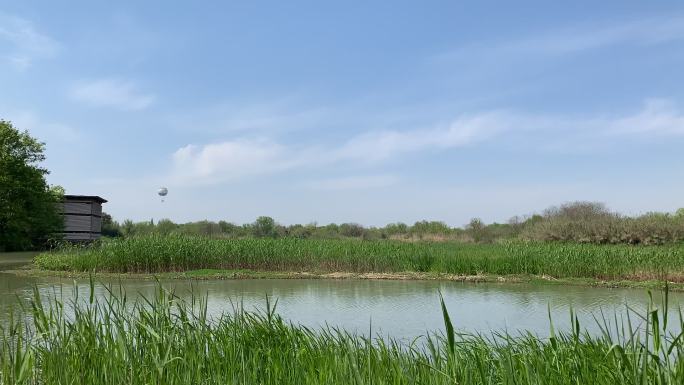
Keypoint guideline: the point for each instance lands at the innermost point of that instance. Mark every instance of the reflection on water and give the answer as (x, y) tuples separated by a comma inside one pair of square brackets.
[(12, 260), (403, 309)]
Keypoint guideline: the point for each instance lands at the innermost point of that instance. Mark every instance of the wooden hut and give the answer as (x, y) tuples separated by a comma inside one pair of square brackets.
[(82, 217)]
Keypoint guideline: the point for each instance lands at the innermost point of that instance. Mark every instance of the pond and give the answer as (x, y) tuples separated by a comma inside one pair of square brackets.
[(401, 309)]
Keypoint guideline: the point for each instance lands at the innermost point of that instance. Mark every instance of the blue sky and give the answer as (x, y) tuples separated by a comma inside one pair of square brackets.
[(361, 111)]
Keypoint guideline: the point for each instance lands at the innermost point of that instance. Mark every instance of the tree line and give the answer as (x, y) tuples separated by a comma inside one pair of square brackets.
[(582, 222)]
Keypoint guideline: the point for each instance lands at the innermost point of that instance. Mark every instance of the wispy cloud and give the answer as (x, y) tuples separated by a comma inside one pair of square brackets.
[(115, 93), (377, 146), (658, 117), (574, 39), (52, 132), (21, 43), (580, 38), (217, 162)]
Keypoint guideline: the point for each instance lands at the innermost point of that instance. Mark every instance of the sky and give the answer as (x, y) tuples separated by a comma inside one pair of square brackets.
[(351, 111)]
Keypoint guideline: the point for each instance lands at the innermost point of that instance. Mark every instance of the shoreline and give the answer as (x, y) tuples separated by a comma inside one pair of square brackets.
[(30, 271)]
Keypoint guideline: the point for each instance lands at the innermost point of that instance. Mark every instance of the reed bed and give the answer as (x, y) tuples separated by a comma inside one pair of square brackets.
[(166, 340), (152, 254)]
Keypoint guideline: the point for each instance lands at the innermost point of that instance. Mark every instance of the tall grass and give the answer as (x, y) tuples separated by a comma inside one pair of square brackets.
[(165, 340), (182, 253)]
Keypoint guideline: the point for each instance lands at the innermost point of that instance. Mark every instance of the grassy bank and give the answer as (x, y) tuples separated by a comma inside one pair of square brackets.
[(164, 340), (156, 254)]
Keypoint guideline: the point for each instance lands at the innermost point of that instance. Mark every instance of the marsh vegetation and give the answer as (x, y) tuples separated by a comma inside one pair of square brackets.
[(158, 253)]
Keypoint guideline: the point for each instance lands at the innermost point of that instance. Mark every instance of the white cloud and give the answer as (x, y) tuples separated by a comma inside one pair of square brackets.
[(21, 43), (216, 162), (658, 117), (116, 93), (376, 146), (236, 158), (359, 182), (230, 159)]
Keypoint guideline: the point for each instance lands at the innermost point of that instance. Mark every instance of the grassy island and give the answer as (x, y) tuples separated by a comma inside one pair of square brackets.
[(177, 253)]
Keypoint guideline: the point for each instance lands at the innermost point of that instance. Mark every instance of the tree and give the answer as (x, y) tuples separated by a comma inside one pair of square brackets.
[(477, 229), (580, 211), (29, 214), (354, 230), (166, 227), (110, 227), (264, 227), (396, 228)]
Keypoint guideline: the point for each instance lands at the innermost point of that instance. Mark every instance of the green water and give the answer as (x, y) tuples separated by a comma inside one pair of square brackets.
[(402, 309), (11, 260)]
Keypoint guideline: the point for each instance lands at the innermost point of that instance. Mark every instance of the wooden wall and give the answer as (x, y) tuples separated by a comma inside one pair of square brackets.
[(82, 220)]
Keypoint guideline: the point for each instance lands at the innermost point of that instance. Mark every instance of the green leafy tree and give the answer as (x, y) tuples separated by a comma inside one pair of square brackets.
[(396, 228), (166, 227), (353, 230), (110, 227), (29, 214), (264, 227)]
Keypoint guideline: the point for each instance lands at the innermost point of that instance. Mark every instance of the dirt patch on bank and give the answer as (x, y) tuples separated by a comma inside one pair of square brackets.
[(419, 276)]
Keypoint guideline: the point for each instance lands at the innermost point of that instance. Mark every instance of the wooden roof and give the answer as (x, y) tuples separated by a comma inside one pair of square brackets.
[(93, 198)]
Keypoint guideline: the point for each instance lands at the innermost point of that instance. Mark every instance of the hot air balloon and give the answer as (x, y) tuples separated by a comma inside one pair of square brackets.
[(163, 191)]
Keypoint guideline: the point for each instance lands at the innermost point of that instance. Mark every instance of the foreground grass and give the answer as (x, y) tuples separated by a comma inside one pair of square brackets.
[(156, 254), (165, 340)]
